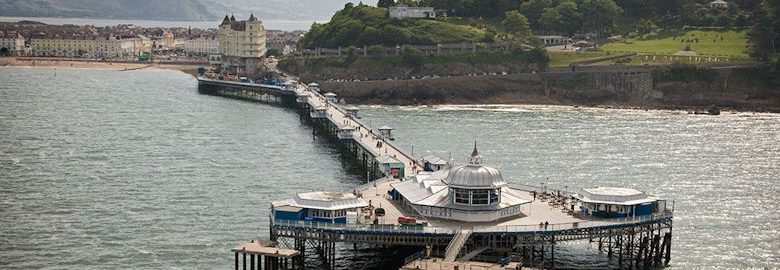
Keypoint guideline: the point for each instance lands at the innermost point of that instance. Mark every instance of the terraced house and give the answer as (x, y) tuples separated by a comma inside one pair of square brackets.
[(60, 46)]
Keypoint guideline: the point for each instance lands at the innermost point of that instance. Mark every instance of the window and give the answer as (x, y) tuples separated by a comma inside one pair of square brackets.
[(461, 196), (495, 196), (480, 196)]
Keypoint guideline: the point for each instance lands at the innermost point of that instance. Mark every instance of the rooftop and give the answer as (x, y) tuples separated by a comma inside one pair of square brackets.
[(614, 195), (321, 200)]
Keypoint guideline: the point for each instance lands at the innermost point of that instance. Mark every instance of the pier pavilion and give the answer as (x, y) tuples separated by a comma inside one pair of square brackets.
[(616, 202), (320, 206), (473, 192)]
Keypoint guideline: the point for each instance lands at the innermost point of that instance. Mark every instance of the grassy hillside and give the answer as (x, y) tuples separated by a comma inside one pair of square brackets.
[(365, 25), (112, 9), (730, 43)]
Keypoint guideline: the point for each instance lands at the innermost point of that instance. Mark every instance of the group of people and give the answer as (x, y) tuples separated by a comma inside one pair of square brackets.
[(544, 224)]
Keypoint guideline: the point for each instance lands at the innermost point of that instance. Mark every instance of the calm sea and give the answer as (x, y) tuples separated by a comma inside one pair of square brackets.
[(106, 169)]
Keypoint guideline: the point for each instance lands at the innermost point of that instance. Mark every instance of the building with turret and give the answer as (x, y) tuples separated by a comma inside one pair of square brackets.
[(473, 192), (242, 45)]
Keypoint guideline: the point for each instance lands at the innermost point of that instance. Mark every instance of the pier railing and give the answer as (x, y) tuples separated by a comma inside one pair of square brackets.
[(590, 224), (373, 228), (533, 228)]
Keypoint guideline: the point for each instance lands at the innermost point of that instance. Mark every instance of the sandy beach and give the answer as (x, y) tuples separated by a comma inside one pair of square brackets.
[(91, 64)]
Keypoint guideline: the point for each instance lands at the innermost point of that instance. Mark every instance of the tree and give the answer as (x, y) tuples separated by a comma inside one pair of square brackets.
[(763, 34), (645, 27), (385, 3), (600, 16), (533, 10), (551, 20), (571, 18), (516, 23)]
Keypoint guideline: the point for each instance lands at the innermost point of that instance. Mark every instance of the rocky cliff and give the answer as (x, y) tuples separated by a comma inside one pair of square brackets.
[(738, 89)]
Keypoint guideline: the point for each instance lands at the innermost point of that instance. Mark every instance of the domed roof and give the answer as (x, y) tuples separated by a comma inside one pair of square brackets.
[(475, 174)]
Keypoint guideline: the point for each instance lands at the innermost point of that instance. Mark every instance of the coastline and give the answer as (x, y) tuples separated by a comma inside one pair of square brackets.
[(534, 89), (502, 93), (91, 64)]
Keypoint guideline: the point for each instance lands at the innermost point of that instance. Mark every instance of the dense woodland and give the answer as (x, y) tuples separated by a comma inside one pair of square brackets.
[(518, 20)]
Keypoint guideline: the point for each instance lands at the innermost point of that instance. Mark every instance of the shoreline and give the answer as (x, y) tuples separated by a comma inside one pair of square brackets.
[(90, 64), (526, 107), (505, 99)]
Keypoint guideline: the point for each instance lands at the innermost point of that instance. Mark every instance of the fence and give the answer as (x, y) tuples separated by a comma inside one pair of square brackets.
[(550, 228)]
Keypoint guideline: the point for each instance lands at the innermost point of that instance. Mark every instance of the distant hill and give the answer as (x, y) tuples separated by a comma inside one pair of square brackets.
[(175, 10), (301, 10), (109, 9)]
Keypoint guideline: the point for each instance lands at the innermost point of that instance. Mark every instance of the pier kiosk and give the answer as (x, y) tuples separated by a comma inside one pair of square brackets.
[(386, 132), (391, 166), (434, 163), (331, 97), (314, 87), (615, 202), (320, 206), (354, 112)]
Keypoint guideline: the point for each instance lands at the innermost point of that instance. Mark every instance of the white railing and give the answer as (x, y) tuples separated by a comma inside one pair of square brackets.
[(535, 228), (375, 228), (589, 224)]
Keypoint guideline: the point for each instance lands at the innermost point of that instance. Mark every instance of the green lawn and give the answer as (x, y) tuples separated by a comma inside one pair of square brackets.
[(562, 59), (641, 60), (728, 43), (443, 32)]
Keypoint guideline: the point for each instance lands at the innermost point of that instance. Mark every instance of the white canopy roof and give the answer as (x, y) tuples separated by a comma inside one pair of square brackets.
[(614, 195), (323, 200), (435, 160)]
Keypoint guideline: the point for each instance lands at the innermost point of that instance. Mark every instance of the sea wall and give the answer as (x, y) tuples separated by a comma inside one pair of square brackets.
[(738, 89)]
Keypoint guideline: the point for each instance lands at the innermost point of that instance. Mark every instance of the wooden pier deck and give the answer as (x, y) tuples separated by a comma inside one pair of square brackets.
[(363, 134)]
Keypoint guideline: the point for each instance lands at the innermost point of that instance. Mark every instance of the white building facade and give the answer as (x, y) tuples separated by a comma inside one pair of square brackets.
[(403, 11), (202, 45), (242, 45), (12, 45), (114, 48)]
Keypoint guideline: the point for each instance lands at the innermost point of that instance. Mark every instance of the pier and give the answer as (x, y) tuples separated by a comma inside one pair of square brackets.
[(456, 215)]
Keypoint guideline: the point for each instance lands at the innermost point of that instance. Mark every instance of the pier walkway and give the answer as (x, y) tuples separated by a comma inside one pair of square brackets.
[(368, 138)]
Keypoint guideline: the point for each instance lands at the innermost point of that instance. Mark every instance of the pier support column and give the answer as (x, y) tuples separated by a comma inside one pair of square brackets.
[(668, 244), (252, 261), (236, 260), (552, 255)]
